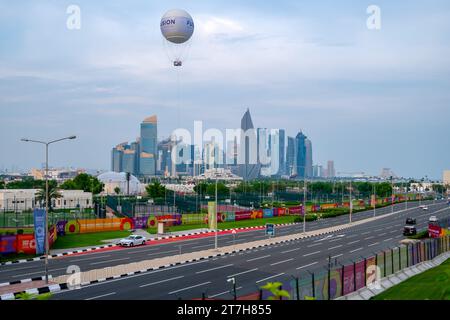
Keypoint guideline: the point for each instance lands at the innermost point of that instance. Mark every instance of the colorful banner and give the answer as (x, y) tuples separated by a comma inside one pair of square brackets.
[(39, 230), (212, 217), (243, 215), (7, 244), (267, 213)]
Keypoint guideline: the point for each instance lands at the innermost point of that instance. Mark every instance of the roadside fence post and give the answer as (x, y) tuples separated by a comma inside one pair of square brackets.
[(313, 285), (297, 288), (399, 259), (392, 260), (329, 281), (354, 276), (384, 261), (365, 272), (342, 280)]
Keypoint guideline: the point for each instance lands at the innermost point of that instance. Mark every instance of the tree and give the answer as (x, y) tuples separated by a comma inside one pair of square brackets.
[(84, 182), (53, 193), (222, 189), (274, 289), (384, 189), (2, 184), (26, 183), (156, 190), (117, 190)]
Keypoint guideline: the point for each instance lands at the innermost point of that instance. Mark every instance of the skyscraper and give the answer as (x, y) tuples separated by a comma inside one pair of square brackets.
[(290, 157), (148, 146), (300, 154), (129, 161), (249, 169), (331, 173), (117, 157), (309, 159)]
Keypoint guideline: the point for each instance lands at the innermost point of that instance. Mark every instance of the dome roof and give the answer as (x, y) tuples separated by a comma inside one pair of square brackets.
[(116, 177)]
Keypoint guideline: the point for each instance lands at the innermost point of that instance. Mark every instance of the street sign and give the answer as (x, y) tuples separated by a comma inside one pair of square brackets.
[(270, 229)]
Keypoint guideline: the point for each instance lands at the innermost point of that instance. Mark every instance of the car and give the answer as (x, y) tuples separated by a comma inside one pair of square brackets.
[(132, 240), (409, 231), (410, 221), (433, 219), (425, 208)]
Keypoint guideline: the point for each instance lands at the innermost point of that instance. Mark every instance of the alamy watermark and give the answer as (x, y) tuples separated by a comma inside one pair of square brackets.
[(73, 21), (374, 20)]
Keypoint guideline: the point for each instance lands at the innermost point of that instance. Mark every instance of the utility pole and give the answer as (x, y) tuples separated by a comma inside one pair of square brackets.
[(304, 205)]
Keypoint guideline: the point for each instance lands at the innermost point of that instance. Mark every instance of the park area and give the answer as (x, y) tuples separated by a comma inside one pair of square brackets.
[(433, 284)]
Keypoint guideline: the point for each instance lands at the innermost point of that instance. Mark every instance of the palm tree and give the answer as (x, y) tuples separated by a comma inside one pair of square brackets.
[(53, 193)]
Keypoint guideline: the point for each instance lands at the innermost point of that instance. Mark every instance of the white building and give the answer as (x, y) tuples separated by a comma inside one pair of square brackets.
[(113, 180), (25, 199), (220, 173), (446, 177)]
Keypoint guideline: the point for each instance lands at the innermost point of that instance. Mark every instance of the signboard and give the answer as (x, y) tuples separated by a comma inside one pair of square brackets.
[(434, 231), (270, 229), (212, 217), (39, 230)]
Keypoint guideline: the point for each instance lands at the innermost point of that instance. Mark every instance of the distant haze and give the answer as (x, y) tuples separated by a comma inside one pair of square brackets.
[(367, 99)]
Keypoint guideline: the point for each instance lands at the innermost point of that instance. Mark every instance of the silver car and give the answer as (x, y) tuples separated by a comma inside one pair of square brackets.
[(132, 240)]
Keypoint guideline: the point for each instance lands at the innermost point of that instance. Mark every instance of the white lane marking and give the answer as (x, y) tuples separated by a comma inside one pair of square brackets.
[(203, 246), (16, 269), (254, 259), (26, 274), (313, 245), (142, 251), (162, 281), (356, 250), (368, 238), (378, 230), (280, 262), (156, 253), (395, 231), (216, 268), (366, 233), (291, 250), (352, 236), (310, 254), (244, 272), (336, 256), (353, 242), (191, 287), (388, 239), (222, 293), (103, 295), (335, 240), (107, 261), (85, 259), (335, 247), (277, 275), (382, 234), (306, 266)]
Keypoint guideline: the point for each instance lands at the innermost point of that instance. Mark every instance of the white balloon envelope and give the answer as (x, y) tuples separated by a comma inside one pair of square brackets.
[(177, 26)]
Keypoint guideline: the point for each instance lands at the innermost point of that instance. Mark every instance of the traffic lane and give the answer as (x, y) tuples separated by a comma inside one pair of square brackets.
[(191, 287), (115, 257)]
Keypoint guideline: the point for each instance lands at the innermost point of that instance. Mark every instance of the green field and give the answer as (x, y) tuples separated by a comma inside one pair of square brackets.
[(230, 225), (87, 239), (433, 284)]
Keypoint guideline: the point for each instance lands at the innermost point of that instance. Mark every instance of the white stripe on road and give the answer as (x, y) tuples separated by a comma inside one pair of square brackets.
[(277, 275), (353, 242), (85, 259), (162, 281), (191, 287), (335, 247), (310, 254), (313, 245), (356, 250), (107, 261), (254, 259), (222, 293), (291, 250), (368, 238), (103, 295), (206, 245), (306, 266), (366, 233), (333, 257), (212, 269), (156, 253), (26, 274), (238, 274), (280, 262), (373, 244), (388, 239)]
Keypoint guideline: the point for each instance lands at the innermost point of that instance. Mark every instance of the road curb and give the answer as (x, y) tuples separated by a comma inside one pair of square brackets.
[(24, 281), (51, 288)]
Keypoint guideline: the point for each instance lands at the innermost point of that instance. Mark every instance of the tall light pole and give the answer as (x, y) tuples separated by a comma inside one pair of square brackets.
[(351, 202), (304, 205), (392, 196), (215, 218), (46, 194), (374, 201)]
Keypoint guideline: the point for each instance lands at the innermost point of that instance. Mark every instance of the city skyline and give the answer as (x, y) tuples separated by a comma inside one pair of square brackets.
[(362, 102)]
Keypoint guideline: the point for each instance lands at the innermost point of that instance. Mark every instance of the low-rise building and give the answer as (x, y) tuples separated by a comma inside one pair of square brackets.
[(25, 199), (446, 177)]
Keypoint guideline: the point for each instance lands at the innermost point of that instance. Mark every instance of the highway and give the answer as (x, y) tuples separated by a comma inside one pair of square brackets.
[(255, 267), (95, 260)]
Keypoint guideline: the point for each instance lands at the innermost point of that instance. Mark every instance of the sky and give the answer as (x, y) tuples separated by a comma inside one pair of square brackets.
[(368, 99)]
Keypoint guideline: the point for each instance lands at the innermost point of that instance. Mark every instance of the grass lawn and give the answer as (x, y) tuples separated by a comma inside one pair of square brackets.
[(230, 225), (87, 239), (433, 284), (14, 230)]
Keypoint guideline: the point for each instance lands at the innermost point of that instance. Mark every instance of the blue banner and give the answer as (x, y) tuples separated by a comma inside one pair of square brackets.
[(39, 230)]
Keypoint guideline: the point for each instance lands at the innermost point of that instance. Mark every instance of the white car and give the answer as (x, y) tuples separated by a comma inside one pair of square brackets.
[(433, 219), (133, 240), (425, 208)]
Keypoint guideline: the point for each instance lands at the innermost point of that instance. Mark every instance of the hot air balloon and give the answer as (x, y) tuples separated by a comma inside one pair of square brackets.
[(177, 27)]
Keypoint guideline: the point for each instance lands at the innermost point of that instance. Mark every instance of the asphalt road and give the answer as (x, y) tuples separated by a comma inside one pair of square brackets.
[(256, 267), (96, 260)]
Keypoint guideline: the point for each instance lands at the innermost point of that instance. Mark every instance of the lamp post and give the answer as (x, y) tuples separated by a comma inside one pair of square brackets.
[(47, 144), (304, 205), (215, 218)]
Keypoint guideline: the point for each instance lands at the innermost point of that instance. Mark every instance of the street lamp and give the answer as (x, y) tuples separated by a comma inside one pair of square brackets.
[(215, 218), (304, 205), (46, 194)]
